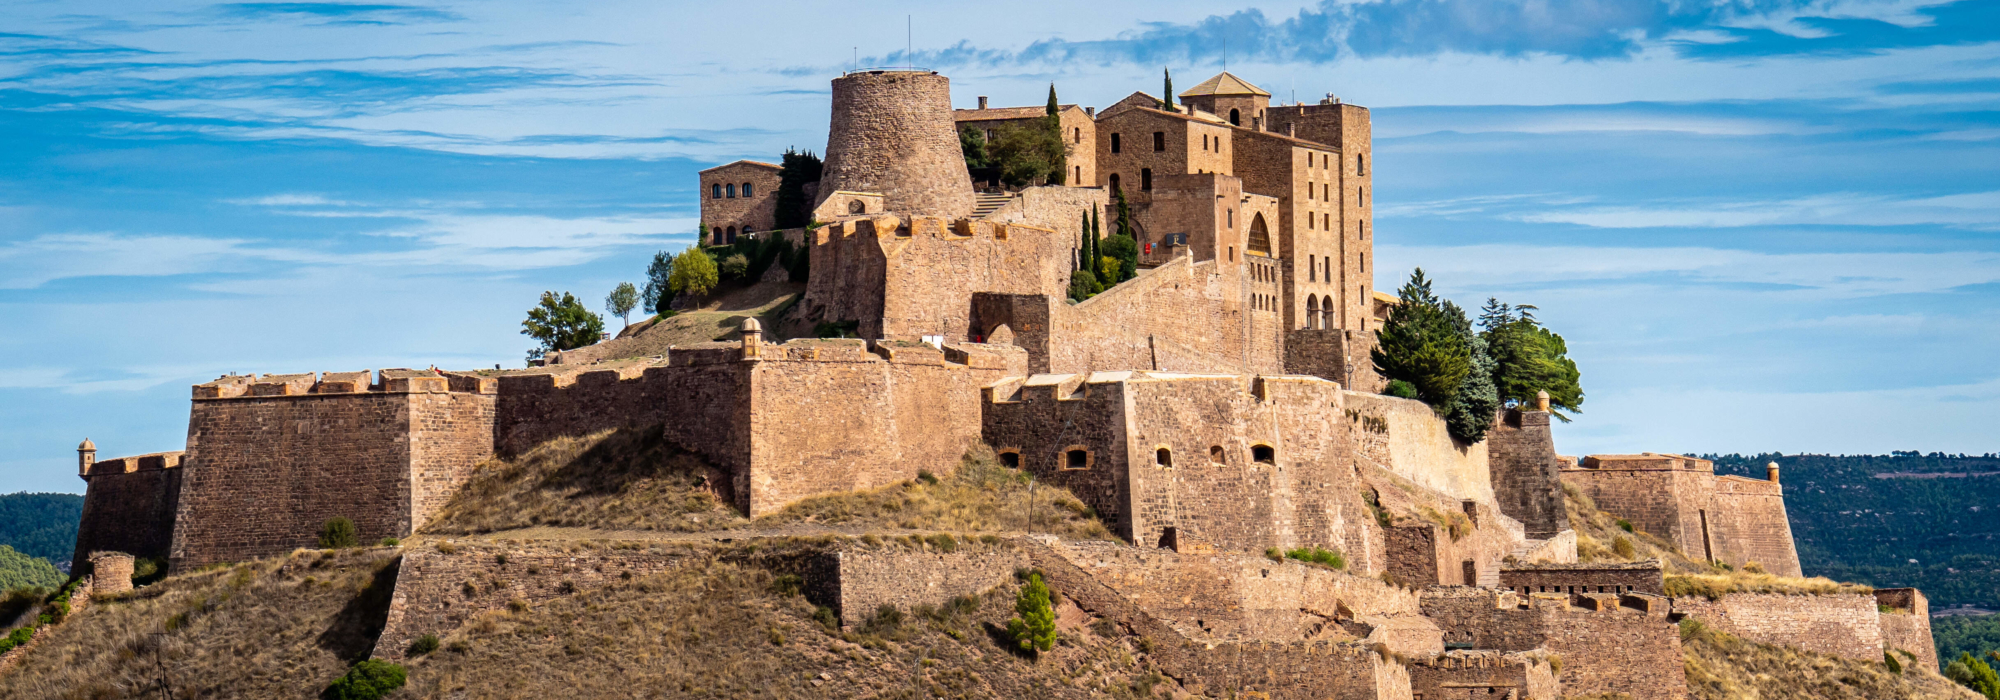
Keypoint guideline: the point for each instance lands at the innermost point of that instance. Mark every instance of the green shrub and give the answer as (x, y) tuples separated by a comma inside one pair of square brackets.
[(1274, 554), (1314, 555), (1889, 660), (733, 267), (1625, 525), (1975, 674), (424, 645), (1034, 624), (391, 542), (1400, 389), (368, 680), (338, 533), (1623, 547), (943, 542), (788, 585), (1082, 285), (825, 617)]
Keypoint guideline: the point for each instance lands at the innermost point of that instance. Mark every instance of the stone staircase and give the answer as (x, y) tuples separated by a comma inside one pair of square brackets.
[(987, 202)]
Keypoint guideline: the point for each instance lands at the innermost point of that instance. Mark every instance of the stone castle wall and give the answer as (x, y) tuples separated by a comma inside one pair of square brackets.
[(269, 462), (128, 506), (1845, 625), (1413, 443), (866, 580), (1906, 625), (1527, 477), (733, 213), (1608, 643), (892, 133), (1729, 519), (1642, 577), (1747, 523), (1478, 674)]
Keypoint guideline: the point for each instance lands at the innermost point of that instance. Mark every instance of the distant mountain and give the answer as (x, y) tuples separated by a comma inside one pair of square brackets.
[(41, 524), (1904, 519), (19, 570)]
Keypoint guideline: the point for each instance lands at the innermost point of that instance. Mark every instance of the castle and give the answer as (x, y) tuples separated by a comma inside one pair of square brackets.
[(1218, 406)]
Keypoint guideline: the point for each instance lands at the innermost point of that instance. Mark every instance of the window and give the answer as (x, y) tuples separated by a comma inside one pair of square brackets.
[(1159, 140), (1114, 177), (1230, 216), (1263, 454), (1204, 142), (1312, 310), (1326, 192), (715, 192), (1011, 460), (1312, 269), (989, 135), (1328, 262), (1146, 179), (1215, 454), (1164, 458), (1361, 164), (1232, 253), (1326, 221), (856, 206), (1079, 176), (1364, 262), (746, 189), (1309, 221), (732, 235), (1076, 459), (1235, 117), (1114, 143), (1309, 191), (1260, 237), (1077, 136), (729, 190)]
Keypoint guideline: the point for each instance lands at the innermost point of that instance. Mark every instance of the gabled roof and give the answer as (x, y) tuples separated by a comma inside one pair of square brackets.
[(1001, 113), (1224, 83), (773, 166)]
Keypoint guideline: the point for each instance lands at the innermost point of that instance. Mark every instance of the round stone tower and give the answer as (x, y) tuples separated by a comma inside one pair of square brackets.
[(892, 133)]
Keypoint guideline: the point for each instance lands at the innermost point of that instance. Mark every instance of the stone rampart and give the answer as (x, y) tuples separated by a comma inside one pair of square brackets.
[(1729, 519), (892, 132), (865, 580), (1611, 643), (269, 460), (1639, 577), (1527, 478), (1845, 625), (1906, 623), (128, 506), (1408, 439), (905, 278), (1747, 522), (1479, 674)]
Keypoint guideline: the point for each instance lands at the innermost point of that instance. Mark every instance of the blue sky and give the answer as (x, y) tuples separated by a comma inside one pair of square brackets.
[(1762, 225)]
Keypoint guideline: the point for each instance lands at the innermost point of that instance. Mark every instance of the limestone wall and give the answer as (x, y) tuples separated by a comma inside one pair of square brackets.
[(1460, 674), (1842, 625), (903, 278), (1641, 577), (727, 210), (128, 506), (1608, 643), (1415, 445), (866, 580), (1906, 625), (1184, 316), (1747, 523), (1527, 479), (892, 132), (1729, 518)]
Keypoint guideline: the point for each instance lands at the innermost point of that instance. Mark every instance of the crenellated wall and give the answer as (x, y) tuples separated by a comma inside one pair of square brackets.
[(1730, 519), (1611, 643), (128, 506)]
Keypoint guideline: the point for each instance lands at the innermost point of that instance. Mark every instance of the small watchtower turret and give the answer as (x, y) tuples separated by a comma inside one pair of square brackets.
[(86, 455), (753, 338), (1541, 401), (1771, 472)]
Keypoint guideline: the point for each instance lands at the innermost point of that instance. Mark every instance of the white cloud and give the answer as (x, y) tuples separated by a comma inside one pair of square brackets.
[(1803, 275)]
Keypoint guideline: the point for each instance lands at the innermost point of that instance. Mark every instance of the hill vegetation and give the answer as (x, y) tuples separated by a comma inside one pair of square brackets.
[(1929, 521), (1967, 634), (41, 524), (1721, 666), (19, 570)]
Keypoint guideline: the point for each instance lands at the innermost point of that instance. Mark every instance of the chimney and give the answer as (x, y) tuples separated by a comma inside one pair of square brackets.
[(1090, 112), (1541, 401), (982, 102), (1771, 472), (1292, 129), (86, 455)]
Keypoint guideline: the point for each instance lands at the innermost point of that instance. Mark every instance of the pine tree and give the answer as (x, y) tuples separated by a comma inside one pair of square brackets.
[(1083, 245), (1090, 249), (1124, 220), (1421, 344), (1053, 107), (1034, 624), (1167, 95)]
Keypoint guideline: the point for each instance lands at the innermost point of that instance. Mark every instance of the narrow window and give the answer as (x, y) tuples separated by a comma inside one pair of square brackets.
[(729, 190), (1079, 176), (1328, 263), (1215, 454), (1364, 262), (1309, 221), (1264, 454), (1232, 253), (1361, 164), (715, 192), (746, 189), (1325, 192), (1078, 137), (1312, 269), (1159, 140), (1146, 179), (1204, 142), (1312, 309), (1114, 177), (1326, 221), (1164, 458), (1231, 216), (1076, 459), (1114, 143), (1361, 197), (989, 135), (1309, 192)]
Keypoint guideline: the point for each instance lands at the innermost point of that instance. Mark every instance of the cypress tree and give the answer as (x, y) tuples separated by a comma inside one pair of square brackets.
[(1090, 250), (1052, 100), (1167, 99), (1083, 245)]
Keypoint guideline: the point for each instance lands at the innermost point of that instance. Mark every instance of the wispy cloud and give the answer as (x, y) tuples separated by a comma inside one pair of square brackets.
[(335, 13), (1977, 210), (1798, 275)]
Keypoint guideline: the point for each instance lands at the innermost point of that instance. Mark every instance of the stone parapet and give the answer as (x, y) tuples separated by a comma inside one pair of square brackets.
[(392, 381), (1846, 625)]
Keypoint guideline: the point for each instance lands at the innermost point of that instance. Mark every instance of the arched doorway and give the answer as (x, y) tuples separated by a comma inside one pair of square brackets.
[(1312, 311), (1235, 117)]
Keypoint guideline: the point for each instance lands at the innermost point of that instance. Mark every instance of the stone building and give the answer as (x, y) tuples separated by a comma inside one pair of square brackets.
[(738, 198), (1077, 124), (1726, 518)]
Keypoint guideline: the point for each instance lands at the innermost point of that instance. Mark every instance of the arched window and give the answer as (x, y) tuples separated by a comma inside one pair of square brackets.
[(1078, 180), (1164, 458), (1312, 311), (715, 191), (1215, 454), (1263, 454), (729, 190), (856, 206), (1076, 459), (732, 235), (1235, 117), (1260, 236), (1078, 135), (746, 189)]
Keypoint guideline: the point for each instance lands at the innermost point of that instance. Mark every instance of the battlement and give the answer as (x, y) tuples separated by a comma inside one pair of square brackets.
[(893, 226), (1634, 577), (1647, 461), (391, 381), (131, 465)]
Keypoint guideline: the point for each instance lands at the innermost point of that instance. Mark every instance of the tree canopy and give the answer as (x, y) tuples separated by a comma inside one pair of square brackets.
[(561, 323), (694, 273), (622, 299), (793, 209), (1428, 342), (658, 292), (1529, 358)]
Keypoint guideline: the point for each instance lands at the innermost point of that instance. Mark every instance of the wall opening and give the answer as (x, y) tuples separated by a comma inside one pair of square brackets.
[(1010, 460), (1076, 459), (1215, 454), (1470, 572), (1263, 454), (1164, 458), (1159, 140), (746, 189), (1260, 236), (729, 190), (1235, 117), (1146, 179), (1114, 143), (856, 206)]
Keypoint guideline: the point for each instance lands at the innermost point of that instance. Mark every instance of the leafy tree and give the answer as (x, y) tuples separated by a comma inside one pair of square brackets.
[(1082, 284), (19, 570), (1529, 358), (972, 142), (658, 293), (561, 323), (622, 299), (1108, 269), (793, 209), (1029, 154), (1967, 671), (1122, 225), (368, 680), (733, 267), (1421, 344), (1034, 624), (1167, 94), (41, 524), (1124, 250), (1470, 413), (694, 273)]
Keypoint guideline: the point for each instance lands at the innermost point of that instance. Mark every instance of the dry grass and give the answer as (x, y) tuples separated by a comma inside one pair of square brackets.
[(980, 496), (1721, 666), (633, 479), (276, 628), (1598, 536), (623, 479), (718, 629), (1714, 586)]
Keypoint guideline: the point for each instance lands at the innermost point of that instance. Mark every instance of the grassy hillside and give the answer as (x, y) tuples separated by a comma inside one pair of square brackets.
[(633, 479), (1892, 521), (41, 524), (1724, 667)]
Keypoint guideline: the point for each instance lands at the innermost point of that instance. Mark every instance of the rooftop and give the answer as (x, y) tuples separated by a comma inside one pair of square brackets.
[(1224, 83)]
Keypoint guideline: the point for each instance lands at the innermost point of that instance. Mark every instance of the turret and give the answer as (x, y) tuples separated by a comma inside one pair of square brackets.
[(1541, 401), (753, 338), (892, 134), (1771, 472), (86, 455)]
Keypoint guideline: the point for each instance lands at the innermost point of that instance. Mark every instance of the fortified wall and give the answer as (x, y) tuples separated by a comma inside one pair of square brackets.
[(1609, 643), (128, 504), (1711, 518)]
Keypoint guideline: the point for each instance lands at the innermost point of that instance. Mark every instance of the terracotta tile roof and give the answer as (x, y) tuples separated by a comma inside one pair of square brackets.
[(1224, 83), (773, 166)]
